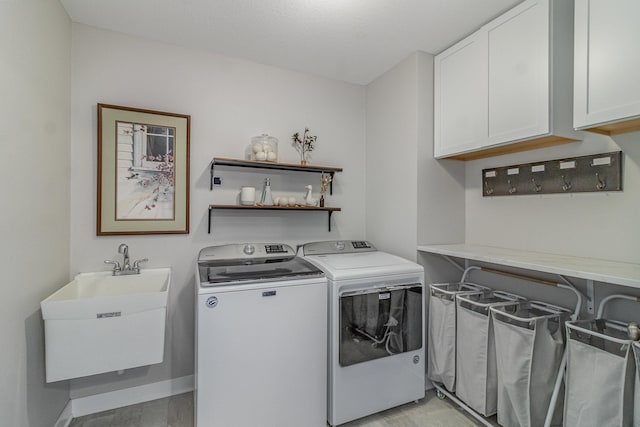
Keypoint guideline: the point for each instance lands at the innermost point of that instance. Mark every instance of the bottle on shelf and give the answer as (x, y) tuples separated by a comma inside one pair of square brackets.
[(267, 198)]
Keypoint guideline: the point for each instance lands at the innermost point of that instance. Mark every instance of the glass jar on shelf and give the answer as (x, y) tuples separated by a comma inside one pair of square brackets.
[(264, 148)]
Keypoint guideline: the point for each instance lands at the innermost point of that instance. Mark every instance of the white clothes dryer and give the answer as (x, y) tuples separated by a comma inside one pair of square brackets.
[(376, 356)]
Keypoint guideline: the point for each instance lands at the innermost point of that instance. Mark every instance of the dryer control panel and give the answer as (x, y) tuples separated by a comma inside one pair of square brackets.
[(337, 247)]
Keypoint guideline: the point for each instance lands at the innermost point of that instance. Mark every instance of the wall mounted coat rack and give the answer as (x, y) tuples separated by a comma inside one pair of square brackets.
[(594, 173)]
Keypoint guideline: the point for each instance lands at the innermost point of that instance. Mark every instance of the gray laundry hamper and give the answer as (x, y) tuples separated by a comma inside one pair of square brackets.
[(441, 348), (476, 376), (600, 372), (529, 349)]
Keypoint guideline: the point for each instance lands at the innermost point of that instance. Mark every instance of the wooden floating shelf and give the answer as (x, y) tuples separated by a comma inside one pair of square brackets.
[(223, 161), (329, 210), (256, 164), (277, 208)]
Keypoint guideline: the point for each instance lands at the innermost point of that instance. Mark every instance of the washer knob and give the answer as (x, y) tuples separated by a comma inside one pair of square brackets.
[(340, 246), (249, 249)]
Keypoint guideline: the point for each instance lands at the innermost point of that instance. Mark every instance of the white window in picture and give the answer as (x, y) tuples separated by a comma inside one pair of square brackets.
[(157, 146)]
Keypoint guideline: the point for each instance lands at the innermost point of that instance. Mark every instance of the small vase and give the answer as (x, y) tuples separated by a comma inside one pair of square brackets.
[(303, 162), (322, 200)]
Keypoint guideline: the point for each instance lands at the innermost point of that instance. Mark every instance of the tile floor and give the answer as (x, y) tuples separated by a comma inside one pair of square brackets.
[(177, 411)]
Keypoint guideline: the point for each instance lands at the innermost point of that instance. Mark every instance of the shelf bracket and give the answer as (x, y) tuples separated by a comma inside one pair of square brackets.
[(329, 212), (331, 190), (211, 188), (452, 262), (590, 297), (210, 208)]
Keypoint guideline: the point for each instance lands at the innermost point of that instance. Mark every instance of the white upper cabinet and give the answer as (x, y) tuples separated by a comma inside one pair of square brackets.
[(519, 73), (507, 87), (462, 86), (607, 60)]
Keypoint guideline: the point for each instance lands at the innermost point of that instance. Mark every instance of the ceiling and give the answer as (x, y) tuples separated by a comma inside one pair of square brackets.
[(349, 40)]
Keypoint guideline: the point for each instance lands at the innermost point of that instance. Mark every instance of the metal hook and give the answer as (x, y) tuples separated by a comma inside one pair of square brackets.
[(512, 188), (489, 190), (602, 184), (566, 186), (536, 187)]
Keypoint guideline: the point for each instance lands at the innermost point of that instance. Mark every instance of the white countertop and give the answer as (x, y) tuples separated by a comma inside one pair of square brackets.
[(618, 273)]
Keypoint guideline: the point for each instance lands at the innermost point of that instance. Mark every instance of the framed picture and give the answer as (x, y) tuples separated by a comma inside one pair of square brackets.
[(143, 171)]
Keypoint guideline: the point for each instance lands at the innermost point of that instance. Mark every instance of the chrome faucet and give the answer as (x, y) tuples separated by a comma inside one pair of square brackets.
[(126, 268), (124, 250)]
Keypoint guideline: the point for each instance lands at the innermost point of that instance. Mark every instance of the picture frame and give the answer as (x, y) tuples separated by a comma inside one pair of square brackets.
[(143, 171)]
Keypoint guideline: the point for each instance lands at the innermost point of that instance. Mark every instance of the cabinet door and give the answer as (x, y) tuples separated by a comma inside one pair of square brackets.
[(460, 97), (519, 91), (607, 59)]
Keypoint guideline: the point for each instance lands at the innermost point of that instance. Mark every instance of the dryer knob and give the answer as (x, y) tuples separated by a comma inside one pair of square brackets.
[(249, 249), (340, 246)]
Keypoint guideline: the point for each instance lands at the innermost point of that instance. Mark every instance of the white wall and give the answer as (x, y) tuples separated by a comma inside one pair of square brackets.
[(441, 195), (34, 220), (595, 225), (411, 197), (229, 101), (392, 144)]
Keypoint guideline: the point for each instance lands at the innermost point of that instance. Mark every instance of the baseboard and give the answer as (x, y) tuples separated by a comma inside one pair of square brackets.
[(65, 416), (130, 396)]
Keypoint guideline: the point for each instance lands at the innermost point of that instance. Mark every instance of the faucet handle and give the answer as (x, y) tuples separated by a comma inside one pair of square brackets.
[(116, 264), (136, 263)]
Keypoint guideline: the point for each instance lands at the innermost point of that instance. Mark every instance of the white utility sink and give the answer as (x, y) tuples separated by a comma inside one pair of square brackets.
[(101, 323)]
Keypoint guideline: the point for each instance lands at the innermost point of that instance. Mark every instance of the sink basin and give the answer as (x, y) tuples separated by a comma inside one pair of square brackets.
[(100, 323), (92, 293)]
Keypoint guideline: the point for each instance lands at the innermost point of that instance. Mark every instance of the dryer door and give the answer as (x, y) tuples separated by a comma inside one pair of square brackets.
[(380, 322)]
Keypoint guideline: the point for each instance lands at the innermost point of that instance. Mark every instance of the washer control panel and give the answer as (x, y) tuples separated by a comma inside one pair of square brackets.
[(245, 251), (361, 244), (275, 249)]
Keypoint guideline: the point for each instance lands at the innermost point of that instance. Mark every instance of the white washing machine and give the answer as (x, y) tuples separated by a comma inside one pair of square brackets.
[(376, 317), (261, 338)]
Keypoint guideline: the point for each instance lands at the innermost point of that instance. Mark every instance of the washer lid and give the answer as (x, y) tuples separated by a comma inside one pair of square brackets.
[(369, 264), (254, 270)]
